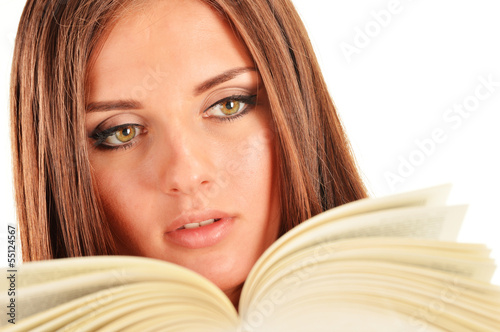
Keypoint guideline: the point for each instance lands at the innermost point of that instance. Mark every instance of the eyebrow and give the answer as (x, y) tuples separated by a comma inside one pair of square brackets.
[(219, 79), (104, 106)]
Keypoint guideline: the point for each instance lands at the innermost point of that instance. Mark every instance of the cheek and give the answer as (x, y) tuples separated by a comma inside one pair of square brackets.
[(121, 194), (255, 193), (249, 165)]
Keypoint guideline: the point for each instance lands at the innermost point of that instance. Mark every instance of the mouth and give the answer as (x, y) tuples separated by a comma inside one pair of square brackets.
[(196, 235), (200, 224)]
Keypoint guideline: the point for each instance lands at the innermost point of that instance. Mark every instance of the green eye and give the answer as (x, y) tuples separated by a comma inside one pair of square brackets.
[(230, 107), (118, 136), (124, 135), (121, 135)]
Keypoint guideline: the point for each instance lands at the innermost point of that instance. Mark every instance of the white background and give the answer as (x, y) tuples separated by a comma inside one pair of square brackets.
[(410, 68)]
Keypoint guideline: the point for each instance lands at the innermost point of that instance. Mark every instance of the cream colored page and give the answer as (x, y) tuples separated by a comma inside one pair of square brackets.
[(433, 196), (437, 222), (52, 270), (98, 310), (471, 261), (33, 295), (175, 303), (415, 287), (468, 260)]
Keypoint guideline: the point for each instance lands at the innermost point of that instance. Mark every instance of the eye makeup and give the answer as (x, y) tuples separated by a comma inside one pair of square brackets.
[(241, 103), (120, 136)]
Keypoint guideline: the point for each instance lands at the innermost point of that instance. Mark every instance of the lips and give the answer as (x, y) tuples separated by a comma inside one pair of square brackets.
[(191, 220), (200, 224), (200, 230)]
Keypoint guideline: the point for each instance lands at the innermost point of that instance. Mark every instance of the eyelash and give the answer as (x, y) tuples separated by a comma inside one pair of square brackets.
[(249, 102), (100, 136)]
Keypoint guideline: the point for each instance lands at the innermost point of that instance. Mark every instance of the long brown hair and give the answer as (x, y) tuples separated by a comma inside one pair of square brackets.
[(58, 209)]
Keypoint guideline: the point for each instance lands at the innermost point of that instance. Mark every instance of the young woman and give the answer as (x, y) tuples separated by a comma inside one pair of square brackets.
[(195, 132)]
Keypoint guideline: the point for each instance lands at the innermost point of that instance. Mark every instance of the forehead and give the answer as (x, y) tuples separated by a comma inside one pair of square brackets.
[(181, 38)]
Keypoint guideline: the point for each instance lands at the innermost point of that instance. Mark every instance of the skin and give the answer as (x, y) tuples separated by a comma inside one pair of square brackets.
[(183, 158)]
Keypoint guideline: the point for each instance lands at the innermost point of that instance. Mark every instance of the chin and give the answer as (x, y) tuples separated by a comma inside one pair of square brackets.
[(227, 278)]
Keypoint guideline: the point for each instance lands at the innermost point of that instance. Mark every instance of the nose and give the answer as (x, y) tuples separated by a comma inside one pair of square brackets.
[(185, 166)]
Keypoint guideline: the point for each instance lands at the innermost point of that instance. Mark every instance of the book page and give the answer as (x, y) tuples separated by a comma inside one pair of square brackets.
[(437, 222), (315, 294), (44, 285), (467, 260), (132, 303), (433, 196), (55, 269), (470, 260)]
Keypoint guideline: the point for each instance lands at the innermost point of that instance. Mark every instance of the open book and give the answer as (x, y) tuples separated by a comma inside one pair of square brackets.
[(378, 264)]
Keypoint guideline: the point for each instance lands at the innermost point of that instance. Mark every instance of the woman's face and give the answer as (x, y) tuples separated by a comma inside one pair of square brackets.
[(181, 142)]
